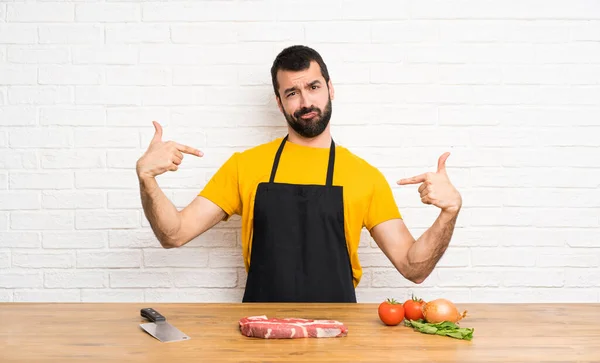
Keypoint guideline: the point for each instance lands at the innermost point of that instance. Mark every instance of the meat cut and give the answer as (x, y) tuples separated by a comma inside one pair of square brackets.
[(290, 328)]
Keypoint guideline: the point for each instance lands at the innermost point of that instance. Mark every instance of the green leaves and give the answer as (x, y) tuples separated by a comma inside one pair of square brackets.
[(445, 328)]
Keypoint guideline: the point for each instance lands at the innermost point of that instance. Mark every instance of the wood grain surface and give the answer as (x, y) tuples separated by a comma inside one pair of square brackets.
[(110, 332)]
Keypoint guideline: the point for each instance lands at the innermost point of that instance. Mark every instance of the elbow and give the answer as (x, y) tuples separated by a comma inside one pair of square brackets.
[(170, 238), (168, 246), (416, 277), (174, 242), (414, 271), (418, 280), (168, 243)]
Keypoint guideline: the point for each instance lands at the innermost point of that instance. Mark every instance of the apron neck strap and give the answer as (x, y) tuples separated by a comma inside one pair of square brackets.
[(330, 165)]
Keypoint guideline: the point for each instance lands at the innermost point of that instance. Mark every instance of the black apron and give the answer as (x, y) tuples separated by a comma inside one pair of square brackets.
[(299, 251)]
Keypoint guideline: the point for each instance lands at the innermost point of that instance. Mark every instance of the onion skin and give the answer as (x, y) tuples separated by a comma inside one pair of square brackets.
[(440, 310)]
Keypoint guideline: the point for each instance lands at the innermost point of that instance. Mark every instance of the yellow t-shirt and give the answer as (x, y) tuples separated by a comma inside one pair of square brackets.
[(368, 198)]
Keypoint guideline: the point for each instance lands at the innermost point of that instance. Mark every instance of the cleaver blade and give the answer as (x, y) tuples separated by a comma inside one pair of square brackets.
[(160, 328)]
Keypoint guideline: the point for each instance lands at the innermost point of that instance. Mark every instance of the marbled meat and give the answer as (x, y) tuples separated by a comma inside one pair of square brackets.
[(290, 328)]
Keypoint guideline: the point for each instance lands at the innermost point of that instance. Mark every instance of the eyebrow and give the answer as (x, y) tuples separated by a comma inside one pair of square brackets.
[(294, 88)]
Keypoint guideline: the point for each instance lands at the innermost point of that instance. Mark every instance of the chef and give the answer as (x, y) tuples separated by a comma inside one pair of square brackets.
[(302, 198)]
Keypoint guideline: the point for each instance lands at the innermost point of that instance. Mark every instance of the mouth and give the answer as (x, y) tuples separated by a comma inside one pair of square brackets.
[(308, 115)]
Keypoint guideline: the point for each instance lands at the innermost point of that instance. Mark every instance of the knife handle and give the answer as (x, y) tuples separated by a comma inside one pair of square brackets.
[(152, 314)]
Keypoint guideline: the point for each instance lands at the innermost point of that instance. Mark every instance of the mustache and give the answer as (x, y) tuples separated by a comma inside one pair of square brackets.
[(305, 110)]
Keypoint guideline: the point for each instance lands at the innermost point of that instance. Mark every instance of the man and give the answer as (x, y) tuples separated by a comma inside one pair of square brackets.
[(302, 198)]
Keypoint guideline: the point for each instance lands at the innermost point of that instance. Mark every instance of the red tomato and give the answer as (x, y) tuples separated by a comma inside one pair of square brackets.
[(391, 312), (413, 309)]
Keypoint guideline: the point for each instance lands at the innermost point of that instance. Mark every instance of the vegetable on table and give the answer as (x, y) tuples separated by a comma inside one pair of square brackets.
[(391, 312), (440, 310), (446, 328), (413, 308)]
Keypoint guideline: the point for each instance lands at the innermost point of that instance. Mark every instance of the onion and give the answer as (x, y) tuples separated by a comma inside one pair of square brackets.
[(439, 310)]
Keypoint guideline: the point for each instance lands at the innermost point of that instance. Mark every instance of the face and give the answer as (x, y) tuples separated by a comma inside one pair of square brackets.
[(305, 100)]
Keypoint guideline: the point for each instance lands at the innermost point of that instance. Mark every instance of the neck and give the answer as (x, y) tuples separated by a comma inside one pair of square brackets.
[(321, 141)]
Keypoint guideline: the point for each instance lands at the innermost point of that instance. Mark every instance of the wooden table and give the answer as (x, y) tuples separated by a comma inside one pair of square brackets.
[(62, 332)]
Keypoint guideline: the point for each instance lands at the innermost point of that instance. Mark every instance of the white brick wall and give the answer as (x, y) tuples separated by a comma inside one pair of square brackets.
[(511, 89)]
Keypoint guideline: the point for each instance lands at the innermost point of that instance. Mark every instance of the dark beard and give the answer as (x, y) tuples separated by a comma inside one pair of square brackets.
[(313, 127)]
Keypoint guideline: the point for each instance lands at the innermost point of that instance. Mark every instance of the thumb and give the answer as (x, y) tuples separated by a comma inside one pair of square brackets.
[(158, 133), (442, 162)]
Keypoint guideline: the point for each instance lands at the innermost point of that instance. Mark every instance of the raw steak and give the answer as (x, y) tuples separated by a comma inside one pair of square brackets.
[(289, 328)]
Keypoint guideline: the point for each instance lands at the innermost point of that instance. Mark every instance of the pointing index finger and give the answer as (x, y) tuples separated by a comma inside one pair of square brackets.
[(188, 150), (414, 180)]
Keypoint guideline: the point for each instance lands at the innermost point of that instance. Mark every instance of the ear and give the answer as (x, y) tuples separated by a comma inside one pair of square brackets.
[(331, 90)]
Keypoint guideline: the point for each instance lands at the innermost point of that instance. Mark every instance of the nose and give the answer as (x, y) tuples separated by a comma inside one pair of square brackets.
[(304, 100)]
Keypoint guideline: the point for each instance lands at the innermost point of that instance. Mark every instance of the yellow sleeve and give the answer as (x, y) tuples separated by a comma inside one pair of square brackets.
[(382, 206), (223, 188)]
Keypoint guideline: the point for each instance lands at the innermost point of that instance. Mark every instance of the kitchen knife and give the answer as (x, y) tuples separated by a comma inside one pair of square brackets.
[(160, 328)]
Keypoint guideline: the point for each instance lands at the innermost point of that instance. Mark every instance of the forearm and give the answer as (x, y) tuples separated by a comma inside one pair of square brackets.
[(160, 212), (428, 249)]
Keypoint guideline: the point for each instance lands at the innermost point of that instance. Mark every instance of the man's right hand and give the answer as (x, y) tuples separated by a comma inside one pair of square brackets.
[(162, 156)]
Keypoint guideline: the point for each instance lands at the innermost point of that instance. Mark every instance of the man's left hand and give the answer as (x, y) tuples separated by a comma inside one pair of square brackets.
[(436, 188)]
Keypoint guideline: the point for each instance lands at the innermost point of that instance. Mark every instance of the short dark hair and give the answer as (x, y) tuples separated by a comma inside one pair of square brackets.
[(296, 58)]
